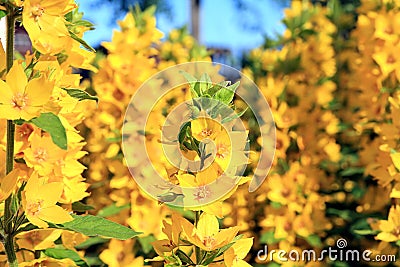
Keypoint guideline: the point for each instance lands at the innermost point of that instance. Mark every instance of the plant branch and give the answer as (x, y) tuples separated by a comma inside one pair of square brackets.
[(9, 244)]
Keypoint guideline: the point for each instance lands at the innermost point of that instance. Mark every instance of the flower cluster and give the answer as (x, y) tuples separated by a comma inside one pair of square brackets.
[(41, 105)]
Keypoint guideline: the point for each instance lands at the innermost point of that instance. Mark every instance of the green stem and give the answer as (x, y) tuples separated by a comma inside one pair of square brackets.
[(197, 249), (8, 224)]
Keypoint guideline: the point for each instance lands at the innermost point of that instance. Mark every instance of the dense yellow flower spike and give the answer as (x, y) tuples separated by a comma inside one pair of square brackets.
[(42, 99)]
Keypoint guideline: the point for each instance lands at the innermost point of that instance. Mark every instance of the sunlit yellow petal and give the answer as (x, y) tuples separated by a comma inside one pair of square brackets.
[(16, 78), (55, 214), (39, 91)]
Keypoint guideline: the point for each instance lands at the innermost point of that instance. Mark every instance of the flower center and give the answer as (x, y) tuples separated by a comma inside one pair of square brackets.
[(206, 132), (390, 60), (40, 155), (34, 207), (19, 101), (209, 241), (202, 193), (396, 231), (37, 11)]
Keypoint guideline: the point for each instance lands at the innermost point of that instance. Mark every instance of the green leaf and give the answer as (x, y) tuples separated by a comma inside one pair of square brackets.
[(3, 13), (225, 95), (352, 171), (52, 124), (62, 253), (84, 23), (81, 95), (82, 42), (94, 261), (193, 84), (97, 226), (81, 207), (365, 232), (19, 121), (269, 238), (112, 210), (184, 257), (205, 83), (234, 116), (314, 240), (145, 242), (91, 242)]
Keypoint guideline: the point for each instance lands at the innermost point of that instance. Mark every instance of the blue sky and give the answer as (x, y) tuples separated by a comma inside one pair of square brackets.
[(221, 25)]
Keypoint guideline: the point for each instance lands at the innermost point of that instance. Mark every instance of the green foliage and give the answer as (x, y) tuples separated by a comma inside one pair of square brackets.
[(97, 226), (50, 123), (81, 95), (63, 253)]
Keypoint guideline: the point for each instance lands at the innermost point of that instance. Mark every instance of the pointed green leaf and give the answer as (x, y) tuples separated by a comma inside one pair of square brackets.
[(233, 117), (366, 232), (226, 94), (112, 210), (81, 95), (81, 207), (82, 42), (97, 226), (62, 253), (50, 123)]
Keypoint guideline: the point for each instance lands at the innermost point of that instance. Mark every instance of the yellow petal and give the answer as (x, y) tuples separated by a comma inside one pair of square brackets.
[(6, 94), (208, 225), (187, 180), (32, 186), (16, 78), (39, 91), (226, 236), (36, 221), (8, 184), (50, 193), (2, 58), (55, 214), (242, 247), (9, 113), (162, 246), (396, 160)]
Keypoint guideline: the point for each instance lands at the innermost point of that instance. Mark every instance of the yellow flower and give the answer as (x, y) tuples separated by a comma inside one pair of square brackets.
[(42, 154), (208, 236), (230, 150), (48, 262), (391, 227), (203, 128), (20, 99), (44, 16), (38, 239), (234, 256), (40, 200), (120, 253)]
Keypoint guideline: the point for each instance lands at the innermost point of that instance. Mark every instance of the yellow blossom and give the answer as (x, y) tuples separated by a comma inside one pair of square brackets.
[(391, 227), (20, 99), (234, 256), (40, 200)]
